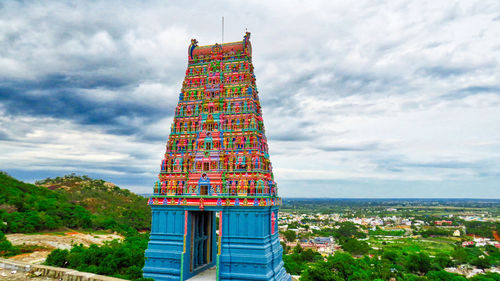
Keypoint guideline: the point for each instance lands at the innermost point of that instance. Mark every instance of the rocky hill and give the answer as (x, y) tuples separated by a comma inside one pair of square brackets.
[(103, 198), (69, 202)]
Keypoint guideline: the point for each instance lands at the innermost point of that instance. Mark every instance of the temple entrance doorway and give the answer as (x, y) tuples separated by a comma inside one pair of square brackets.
[(204, 189), (202, 239)]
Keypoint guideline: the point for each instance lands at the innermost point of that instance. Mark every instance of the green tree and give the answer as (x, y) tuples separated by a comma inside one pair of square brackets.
[(119, 259), (286, 248), (355, 246), (482, 262), (443, 260), (348, 230), (298, 261), (297, 249), (320, 271), (444, 276), (418, 263), (345, 265), (292, 266), (392, 256), (486, 277), (309, 255), (459, 255), (57, 258), (290, 235), (6, 248)]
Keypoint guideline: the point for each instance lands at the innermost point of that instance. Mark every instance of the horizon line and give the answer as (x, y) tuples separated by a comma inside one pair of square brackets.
[(378, 198)]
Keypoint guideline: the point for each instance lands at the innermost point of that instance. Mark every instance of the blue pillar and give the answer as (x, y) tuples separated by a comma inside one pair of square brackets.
[(250, 249), (164, 253)]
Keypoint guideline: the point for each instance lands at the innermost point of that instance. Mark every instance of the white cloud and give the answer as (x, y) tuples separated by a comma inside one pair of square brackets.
[(388, 91)]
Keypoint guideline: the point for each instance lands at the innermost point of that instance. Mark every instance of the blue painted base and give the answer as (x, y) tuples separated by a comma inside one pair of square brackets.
[(249, 249)]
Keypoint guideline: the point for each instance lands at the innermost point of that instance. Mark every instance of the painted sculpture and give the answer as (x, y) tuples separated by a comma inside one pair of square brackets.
[(216, 165)]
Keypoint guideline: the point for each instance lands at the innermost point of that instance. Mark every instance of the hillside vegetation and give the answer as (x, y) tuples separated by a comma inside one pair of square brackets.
[(28, 208), (122, 259), (112, 204), (78, 202), (69, 202)]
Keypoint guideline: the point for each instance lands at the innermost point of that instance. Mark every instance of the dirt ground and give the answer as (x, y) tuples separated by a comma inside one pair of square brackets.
[(7, 274), (53, 241), (36, 257)]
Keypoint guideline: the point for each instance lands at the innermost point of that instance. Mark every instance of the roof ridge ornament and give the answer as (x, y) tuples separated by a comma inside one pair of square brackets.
[(246, 42), (216, 49), (194, 44)]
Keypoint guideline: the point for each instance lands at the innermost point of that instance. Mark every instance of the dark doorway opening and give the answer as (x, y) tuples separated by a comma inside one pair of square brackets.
[(201, 239), (203, 189)]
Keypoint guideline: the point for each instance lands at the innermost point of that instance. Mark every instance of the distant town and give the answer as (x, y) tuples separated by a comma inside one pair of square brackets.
[(371, 227)]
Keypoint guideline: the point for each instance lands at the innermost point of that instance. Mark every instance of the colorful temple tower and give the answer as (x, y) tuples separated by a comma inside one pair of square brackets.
[(216, 202)]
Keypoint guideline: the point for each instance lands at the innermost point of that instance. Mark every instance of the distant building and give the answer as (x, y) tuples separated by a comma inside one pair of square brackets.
[(443, 222), (467, 243), (323, 240)]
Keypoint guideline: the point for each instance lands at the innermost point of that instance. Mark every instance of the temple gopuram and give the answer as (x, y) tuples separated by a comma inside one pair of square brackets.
[(216, 202)]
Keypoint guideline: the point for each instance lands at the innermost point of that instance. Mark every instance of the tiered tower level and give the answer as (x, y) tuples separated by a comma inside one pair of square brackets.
[(216, 162)]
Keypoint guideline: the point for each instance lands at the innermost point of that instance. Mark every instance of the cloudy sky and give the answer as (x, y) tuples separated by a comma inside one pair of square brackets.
[(360, 98)]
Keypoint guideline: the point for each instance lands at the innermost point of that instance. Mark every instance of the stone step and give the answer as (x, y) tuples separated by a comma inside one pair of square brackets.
[(207, 275)]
